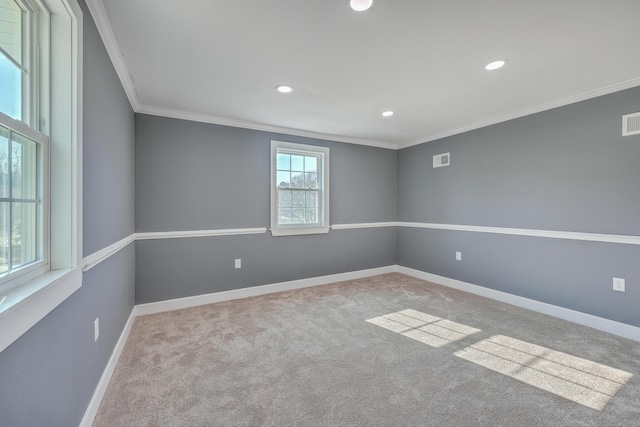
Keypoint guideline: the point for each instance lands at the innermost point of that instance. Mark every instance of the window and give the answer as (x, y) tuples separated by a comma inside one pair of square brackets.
[(40, 160), (299, 189), (23, 149)]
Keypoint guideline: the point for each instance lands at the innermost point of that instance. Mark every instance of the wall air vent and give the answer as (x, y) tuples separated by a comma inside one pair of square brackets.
[(441, 160), (631, 124)]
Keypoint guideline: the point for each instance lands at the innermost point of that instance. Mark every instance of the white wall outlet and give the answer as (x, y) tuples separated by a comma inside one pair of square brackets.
[(238, 263), (96, 329), (618, 284), (458, 256)]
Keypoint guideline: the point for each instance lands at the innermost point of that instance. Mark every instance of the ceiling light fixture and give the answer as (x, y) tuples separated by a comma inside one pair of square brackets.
[(495, 65), (284, 88), (387, 113), (361, 5)]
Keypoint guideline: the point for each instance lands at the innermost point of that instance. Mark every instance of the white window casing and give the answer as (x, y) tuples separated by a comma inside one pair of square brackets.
[(299, 189), (54, 84)]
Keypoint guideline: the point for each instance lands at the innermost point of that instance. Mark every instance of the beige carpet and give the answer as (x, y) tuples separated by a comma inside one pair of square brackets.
[(389, 350)]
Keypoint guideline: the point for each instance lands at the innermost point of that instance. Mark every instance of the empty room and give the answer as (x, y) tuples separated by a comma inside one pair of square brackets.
[(319, 213)]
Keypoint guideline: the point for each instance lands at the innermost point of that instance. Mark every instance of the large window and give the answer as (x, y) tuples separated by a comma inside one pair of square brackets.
[(23, 148), (40, 160), (299, 189)]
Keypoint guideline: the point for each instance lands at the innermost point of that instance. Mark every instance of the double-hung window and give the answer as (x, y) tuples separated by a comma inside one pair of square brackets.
[(40, 160), (299, 189), (23, 148)]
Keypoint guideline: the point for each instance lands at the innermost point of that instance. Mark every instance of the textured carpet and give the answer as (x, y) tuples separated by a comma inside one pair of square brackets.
[(388, 350)]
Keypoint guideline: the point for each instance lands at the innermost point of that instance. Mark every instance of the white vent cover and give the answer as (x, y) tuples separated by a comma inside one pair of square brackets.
[(631, 124), (441, 160)]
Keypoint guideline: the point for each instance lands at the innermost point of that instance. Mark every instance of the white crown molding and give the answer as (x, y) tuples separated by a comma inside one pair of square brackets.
[(568, 235), (206, 118), (583, 96), (99, 14), (100, 17), (600, 323)]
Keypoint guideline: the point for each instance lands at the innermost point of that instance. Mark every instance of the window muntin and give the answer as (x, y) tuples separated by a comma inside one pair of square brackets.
[(300, 186)]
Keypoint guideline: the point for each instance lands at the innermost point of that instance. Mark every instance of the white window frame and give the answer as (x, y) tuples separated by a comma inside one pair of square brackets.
[(322, 153), (30, 297)]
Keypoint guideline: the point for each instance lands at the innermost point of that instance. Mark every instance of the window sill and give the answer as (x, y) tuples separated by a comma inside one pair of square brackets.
[(24, 306), (298, 231)]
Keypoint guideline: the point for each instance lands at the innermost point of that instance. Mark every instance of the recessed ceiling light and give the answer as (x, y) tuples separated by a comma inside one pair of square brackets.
[(495, 65), (388, 113), (361, 5), (284, 88)]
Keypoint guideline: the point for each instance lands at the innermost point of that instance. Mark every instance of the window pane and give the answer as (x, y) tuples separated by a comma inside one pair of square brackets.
[(297, 163), (284, 199), (283, 179), (284, 216), (298, 216), (23, 168), (10, 89), (4, 162), (284, 162), (11, 24), (4, 237), (311, 180), (297, 180), (312, 199), (298, 199), (312, 215), (23, 233), (310, 164)]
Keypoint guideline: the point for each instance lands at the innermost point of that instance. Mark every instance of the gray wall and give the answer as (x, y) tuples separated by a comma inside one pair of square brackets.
[(48, 375), (567, 169), (196, 176)]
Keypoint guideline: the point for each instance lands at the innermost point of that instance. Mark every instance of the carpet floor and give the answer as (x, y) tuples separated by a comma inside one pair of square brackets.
[(389, 350)]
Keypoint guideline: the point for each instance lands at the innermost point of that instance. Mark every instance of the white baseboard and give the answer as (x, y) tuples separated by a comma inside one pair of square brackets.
[(176, 304), (98, 394), (602, 324)]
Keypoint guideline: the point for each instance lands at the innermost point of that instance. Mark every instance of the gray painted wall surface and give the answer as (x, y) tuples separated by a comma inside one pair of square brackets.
[(198, 176), (48, 375), (566, 169), (192, 176), (176, 268)]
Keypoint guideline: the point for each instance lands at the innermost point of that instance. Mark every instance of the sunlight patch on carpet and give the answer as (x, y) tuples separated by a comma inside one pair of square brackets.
[(425, 328), (582, 381)]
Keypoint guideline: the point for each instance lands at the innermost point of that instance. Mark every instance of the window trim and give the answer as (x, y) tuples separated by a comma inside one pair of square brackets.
[(25, 305), (323, 211)]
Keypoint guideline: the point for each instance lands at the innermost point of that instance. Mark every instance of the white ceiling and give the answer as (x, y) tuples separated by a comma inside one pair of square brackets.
[(219, 61)]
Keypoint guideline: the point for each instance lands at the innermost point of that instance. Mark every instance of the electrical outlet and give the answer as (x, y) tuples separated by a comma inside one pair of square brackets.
[(238, 263), (96, 329), (458, 256), (618, 284)]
